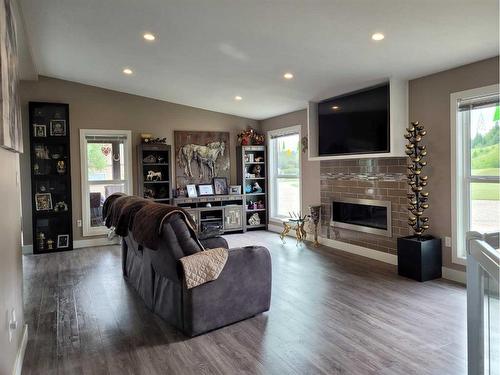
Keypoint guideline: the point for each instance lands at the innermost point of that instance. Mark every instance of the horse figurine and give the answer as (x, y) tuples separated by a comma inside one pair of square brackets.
[(153, 176)]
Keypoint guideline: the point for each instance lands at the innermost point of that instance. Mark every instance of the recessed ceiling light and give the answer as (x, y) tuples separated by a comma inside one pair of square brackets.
[(378, 36), (238, 98), (149, 37), (288, 75), (335, 107), (127, 71)]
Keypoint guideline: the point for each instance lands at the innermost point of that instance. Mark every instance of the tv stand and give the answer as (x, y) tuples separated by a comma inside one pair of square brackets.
[(217, 212)]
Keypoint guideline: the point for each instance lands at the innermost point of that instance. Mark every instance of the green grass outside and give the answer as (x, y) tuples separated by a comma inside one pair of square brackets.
[(485, 191)]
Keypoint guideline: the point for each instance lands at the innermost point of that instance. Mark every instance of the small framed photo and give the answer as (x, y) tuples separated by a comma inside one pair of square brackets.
[(235, 189), (43, 201), (220, 185), (62, 241), (206, 189), (191, 191), (39, 131), (58, 128)]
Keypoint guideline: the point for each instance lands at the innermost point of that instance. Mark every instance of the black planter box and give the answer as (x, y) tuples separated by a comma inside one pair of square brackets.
[(419, 258)]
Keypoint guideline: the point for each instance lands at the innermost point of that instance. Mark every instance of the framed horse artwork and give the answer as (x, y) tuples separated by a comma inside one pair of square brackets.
[(201, 156)]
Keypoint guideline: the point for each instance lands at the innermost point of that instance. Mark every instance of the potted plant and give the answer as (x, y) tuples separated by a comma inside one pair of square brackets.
[(419, 255)]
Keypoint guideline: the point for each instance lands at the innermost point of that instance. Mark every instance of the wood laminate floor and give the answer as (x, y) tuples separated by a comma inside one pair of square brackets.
[(331, 313)]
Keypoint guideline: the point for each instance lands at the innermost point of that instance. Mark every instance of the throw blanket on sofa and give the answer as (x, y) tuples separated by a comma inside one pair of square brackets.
[(148, 223), (204, 266)]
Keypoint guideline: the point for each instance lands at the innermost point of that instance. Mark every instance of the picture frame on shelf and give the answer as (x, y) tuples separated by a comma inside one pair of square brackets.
[(191, 191), (234, 190), (43, 201), (58, 128), (62, 241), (205, 189), (220, 185), (39, 130)]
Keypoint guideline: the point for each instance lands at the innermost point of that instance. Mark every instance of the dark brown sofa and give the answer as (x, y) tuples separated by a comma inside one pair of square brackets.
[(242, 290)]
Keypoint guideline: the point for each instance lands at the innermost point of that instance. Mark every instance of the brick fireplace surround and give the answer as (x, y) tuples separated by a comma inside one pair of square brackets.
[(382, 179)]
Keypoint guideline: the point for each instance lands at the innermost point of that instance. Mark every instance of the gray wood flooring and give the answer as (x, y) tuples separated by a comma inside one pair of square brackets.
[(331, 313)]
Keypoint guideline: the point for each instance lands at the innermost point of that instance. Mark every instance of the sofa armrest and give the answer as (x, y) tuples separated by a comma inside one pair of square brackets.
[(214, 242), (242, 290)]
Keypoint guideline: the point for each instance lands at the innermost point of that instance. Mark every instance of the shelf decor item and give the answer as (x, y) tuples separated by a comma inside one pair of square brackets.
[(51, 176), (205, 189), (191, 191), (220, 185), (315, 216), (419, 256)]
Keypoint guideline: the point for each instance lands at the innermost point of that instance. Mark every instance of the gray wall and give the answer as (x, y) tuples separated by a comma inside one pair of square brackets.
[(96, 108), (11, 276), (430, 104), (310, 169)]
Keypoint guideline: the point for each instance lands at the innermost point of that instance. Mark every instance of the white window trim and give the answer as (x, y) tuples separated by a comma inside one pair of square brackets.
[(274, 133), (459, 198), (127, 146)]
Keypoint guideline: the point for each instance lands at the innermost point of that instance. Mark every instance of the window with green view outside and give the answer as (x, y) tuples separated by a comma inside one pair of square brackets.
[(484, 172)]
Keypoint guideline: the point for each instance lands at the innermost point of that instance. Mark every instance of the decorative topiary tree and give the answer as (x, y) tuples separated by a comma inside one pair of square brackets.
[(417, 199)]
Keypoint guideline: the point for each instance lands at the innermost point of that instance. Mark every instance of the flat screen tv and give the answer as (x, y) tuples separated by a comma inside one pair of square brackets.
[(355, 123)]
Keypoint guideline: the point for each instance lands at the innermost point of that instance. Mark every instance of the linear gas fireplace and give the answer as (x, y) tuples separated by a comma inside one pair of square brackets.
[(364, 215)]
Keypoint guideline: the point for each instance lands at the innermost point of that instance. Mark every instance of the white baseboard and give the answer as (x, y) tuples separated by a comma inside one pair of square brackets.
[(18, 364), (454, 275), (78, 244), (347, 247), (101, 241), (447, 273), (360, 250)]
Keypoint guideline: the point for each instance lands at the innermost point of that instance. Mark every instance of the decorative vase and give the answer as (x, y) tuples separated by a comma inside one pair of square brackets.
[(315, 216), (419, 257)]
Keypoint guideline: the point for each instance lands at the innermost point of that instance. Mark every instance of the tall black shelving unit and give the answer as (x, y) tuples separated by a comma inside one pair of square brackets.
[(50, 177)]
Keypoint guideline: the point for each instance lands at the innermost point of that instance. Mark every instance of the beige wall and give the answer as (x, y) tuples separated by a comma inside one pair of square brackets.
[(11, 277), (95, 108), (310, 169), (430, 104)]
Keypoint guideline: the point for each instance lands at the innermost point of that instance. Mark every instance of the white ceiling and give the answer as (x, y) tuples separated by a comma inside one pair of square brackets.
[(208, 51)]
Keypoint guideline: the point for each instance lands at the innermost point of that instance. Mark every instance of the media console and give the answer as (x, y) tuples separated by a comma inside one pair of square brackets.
[(218, 212)]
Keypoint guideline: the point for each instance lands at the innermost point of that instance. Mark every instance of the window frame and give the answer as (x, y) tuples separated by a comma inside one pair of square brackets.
[(271, 134), (461, 177), (88, 230)]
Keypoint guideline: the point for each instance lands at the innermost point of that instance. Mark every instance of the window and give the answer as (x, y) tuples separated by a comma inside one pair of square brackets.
[(284, 168), (106, 169), (476, 165)]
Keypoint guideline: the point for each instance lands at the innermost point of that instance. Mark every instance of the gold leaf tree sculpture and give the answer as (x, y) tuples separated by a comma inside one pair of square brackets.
[(417, 199)]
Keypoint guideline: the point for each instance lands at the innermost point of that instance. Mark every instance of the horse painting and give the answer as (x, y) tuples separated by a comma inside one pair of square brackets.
[(201, 156), (205, 156)]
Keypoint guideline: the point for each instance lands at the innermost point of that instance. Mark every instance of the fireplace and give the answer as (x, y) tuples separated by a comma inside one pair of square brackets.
[(363, 215)]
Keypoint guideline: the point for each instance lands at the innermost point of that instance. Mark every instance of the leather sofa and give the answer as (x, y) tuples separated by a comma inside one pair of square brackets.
[(242, 290)]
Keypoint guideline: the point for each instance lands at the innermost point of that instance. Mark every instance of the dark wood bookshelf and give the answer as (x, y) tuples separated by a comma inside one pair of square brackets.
[(50, 177), (156, 158)]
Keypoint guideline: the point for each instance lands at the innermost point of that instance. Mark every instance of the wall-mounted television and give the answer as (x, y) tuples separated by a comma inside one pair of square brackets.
[(355, 123)]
